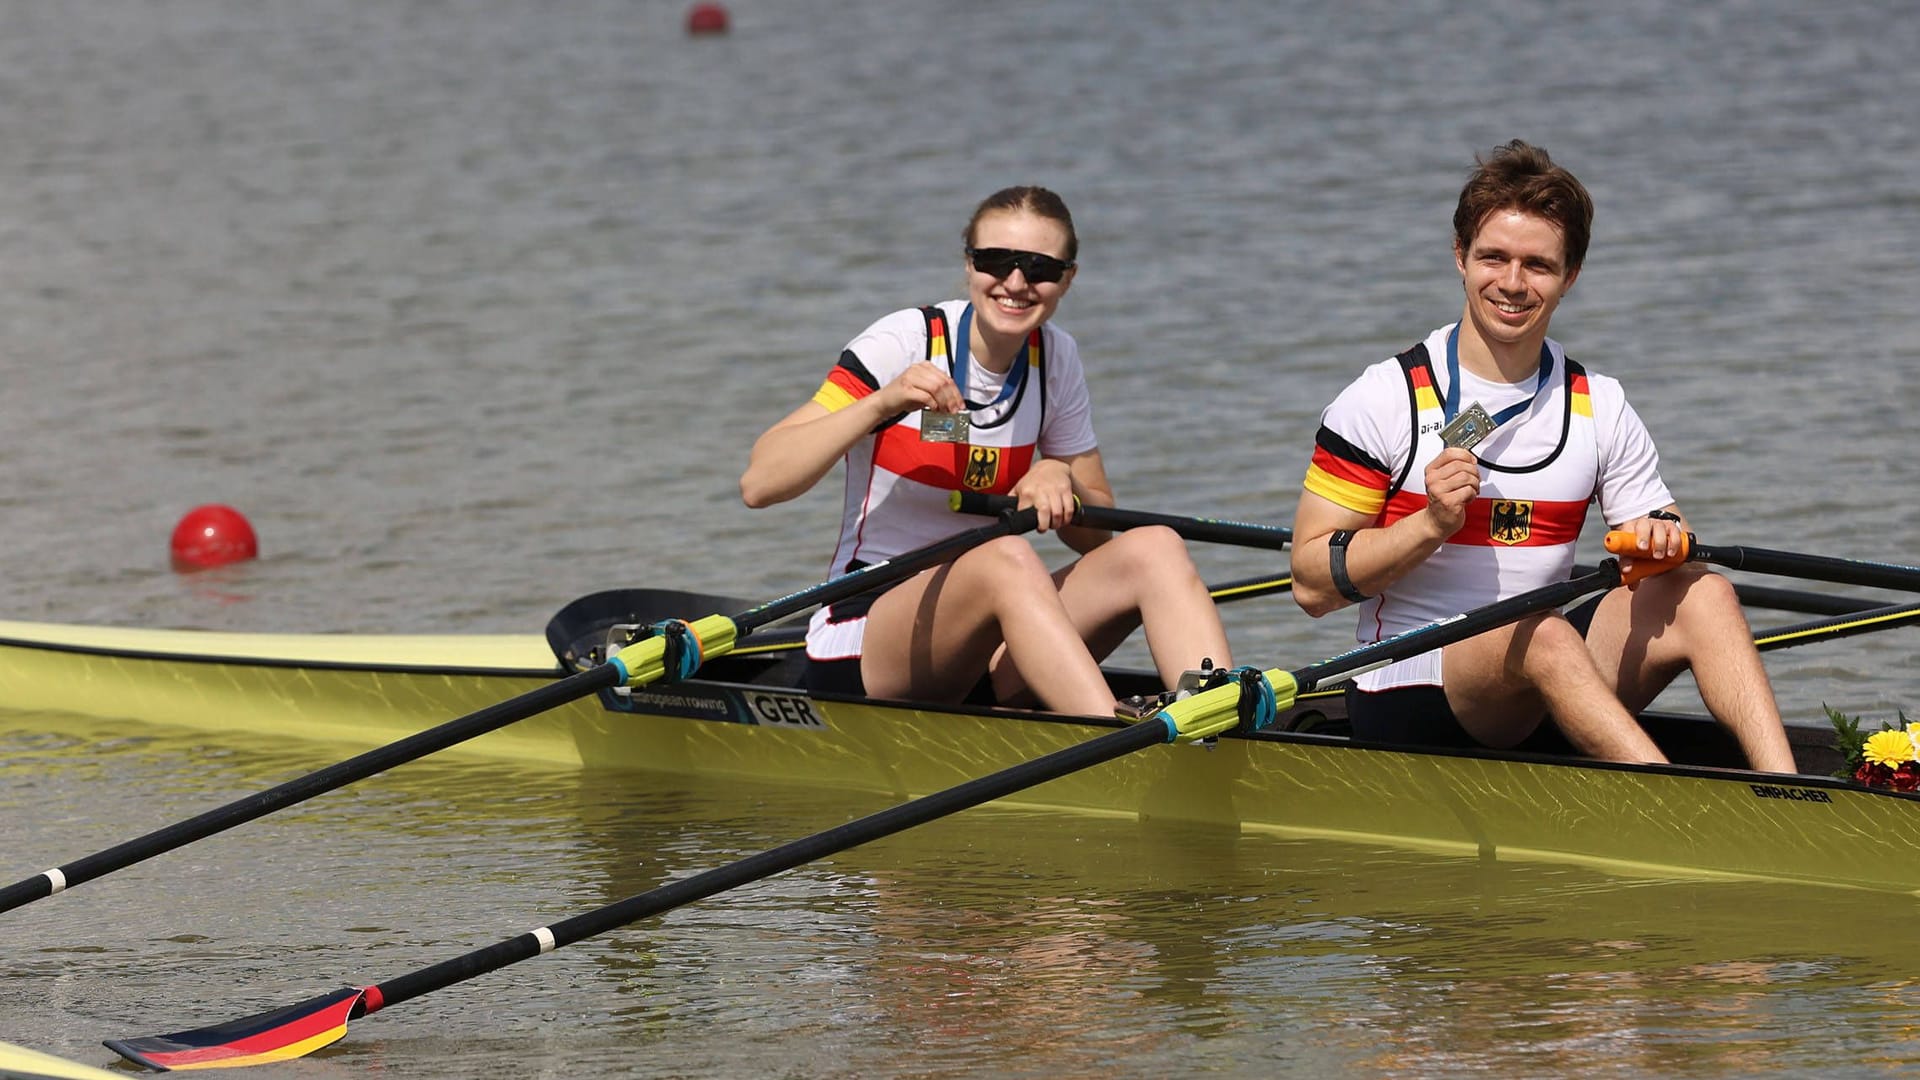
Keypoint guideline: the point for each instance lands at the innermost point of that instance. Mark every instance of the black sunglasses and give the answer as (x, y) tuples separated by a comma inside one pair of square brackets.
[(1001, 262)]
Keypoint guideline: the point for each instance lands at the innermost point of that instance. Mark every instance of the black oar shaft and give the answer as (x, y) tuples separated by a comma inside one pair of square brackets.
[(305, 787), (1250, 588), (1104, 748), (885, 572), (1797, 600), (420, 744), (1206, 530), (1838, 626), (1871, 575), (1433, 635)]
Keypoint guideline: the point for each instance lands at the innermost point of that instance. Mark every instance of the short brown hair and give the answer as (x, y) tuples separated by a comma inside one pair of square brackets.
[(1035, 200), (1520, 176)]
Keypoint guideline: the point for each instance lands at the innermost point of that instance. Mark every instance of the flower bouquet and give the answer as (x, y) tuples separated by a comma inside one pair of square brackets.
[(1888, 758)]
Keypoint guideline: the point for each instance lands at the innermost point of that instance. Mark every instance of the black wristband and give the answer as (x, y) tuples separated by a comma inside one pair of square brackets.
[(1663, 515), (1337, 565)]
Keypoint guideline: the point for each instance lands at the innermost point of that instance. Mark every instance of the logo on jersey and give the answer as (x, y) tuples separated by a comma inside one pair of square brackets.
[(983, 468), (1511, 521)]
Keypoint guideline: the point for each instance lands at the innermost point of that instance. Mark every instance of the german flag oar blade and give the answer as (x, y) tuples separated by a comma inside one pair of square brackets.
[(280, 1035)]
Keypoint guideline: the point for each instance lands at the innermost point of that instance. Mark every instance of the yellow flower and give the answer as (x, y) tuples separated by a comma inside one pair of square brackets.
[(1890, 748)]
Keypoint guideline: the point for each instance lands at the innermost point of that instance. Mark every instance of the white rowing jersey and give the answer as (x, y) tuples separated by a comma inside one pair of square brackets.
[(1573, 440), (898, 483)]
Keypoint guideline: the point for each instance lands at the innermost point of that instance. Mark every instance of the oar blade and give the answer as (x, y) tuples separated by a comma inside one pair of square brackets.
[(280, 1035)]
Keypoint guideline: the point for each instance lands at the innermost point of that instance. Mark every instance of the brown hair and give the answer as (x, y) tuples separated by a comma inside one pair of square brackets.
[(1035, 200), (1520, 176)]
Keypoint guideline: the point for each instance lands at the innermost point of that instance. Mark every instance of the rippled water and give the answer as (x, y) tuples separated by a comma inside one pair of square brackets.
[(999, 942), (473, 308)]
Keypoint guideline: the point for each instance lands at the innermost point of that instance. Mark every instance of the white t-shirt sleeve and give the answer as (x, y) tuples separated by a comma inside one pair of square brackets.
[(1630, 484), (890, 344), (1371, 414), (1068, 427)]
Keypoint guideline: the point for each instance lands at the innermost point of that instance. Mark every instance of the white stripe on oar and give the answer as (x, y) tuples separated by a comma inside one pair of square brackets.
[(57, 879), (545, 937)]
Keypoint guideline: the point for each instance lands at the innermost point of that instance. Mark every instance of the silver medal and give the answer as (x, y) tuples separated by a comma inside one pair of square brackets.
[(943, 427), (1468, 429)]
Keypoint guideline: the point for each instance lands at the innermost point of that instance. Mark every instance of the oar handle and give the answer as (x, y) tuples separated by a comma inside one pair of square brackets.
[(1626, 543), (1206, 530), (1871, 575)]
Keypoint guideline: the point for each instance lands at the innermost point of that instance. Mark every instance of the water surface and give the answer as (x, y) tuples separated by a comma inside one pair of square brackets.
[(473, 309)]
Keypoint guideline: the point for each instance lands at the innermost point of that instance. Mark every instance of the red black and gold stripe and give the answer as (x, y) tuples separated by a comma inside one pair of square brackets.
[(280, 1035), (1346, 474), (848, 382)]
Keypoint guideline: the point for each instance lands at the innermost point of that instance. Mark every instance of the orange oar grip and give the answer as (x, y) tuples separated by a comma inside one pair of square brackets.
[(1627, 544)]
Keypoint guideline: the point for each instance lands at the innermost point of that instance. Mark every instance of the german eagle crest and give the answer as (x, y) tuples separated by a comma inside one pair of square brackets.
[(983, 467), (1511, 521)]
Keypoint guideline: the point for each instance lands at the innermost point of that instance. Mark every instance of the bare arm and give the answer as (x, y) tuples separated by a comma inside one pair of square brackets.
[(1378, 557), (792, 455), (1087, 480)]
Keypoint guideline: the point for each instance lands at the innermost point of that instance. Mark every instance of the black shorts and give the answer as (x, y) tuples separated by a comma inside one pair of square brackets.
[(1420, 715), (843, 677), (833, 677)]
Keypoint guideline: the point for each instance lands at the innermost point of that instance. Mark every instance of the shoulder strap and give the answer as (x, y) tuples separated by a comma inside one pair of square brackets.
[(936, 321), (938, 350), (1413, 360), (1037, 358)]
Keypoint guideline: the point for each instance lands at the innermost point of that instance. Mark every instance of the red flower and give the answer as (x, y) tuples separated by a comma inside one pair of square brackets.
[(1875, 775), (1906, 777)]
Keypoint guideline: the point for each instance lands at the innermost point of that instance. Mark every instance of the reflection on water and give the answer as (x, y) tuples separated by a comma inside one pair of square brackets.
[(1016, 943)]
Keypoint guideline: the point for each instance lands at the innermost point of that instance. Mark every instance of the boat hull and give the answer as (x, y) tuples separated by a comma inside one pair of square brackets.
[(20, 1063), (738, 722)]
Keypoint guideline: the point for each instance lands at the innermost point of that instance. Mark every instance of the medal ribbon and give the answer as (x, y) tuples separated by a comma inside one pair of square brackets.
[(963, 340), (1452, 404)]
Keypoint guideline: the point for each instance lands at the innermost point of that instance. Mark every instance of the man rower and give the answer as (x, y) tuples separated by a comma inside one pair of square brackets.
[(1459, 473)]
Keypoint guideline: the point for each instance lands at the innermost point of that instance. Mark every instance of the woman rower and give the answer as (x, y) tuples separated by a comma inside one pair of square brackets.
[(981, 394)]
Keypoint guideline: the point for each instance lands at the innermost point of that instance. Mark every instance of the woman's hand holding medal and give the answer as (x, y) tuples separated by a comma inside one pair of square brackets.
[(943, 414)]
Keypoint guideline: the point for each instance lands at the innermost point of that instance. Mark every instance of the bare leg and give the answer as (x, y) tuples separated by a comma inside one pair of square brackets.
[(1502, 683), (1142, 577), (1690, 618), (932, 636)]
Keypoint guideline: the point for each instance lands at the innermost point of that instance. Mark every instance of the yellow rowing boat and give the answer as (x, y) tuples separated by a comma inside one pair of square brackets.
[(741, 718), (20, 1063)]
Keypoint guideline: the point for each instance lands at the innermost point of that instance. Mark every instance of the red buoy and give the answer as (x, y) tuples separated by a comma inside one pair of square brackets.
[(212, 535), (707, 18)]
